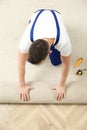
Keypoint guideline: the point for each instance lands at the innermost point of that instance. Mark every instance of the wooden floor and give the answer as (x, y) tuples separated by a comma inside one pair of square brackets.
[(43, 117)]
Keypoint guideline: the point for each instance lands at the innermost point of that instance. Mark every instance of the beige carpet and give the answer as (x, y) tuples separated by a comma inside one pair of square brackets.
[(14, 16)]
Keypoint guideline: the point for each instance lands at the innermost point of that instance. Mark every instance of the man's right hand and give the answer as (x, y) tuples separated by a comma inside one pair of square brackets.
[(24, 92)]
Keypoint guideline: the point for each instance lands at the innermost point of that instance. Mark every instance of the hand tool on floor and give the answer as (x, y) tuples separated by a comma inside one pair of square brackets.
[(78, 62), (80, 72)]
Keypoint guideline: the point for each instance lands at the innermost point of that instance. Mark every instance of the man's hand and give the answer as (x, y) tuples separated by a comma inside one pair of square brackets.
[(60, 92), (24, 92)]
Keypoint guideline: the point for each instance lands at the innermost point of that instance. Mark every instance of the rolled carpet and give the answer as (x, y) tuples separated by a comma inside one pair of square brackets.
[(76, 92)]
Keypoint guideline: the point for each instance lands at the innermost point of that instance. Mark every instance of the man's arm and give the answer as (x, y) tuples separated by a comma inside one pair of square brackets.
[(21, 68), (24, 88), (65, 70)]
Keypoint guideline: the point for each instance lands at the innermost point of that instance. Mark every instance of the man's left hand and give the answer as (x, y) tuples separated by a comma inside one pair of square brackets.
[(60, 92)]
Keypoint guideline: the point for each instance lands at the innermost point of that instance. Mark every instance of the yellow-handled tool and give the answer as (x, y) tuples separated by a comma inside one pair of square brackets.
[(78, 62)]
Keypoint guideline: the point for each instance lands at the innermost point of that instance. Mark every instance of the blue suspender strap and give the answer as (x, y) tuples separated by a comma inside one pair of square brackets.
[(32, 29), (57, 27), (55, 55)]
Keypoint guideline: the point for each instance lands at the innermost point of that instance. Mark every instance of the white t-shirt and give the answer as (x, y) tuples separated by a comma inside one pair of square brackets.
[(45, 27)]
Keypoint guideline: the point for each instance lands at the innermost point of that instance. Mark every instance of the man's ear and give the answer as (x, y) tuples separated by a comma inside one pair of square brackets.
[(50, 51)]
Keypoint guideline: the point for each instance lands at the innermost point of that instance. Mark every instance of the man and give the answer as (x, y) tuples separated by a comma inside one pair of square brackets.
[(45, 30)]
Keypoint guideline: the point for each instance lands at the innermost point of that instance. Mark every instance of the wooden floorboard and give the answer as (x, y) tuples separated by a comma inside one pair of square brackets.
[(43, 117)]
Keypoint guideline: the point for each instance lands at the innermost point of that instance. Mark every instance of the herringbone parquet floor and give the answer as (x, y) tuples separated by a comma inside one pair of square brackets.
[(43, 117)]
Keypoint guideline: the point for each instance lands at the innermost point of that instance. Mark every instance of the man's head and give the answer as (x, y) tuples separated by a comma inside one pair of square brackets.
[(38, 51)]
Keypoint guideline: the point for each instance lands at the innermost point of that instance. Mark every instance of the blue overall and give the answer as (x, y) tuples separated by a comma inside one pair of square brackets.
[(55, 55)]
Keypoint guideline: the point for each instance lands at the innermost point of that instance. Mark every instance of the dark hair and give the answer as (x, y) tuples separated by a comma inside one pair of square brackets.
[(38, 51)]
